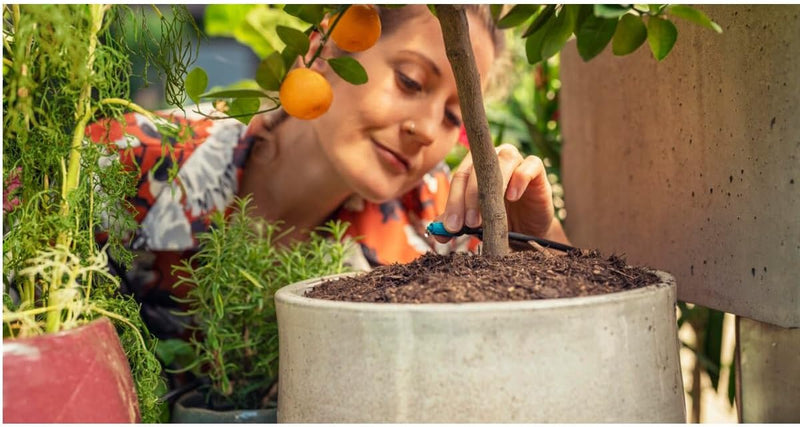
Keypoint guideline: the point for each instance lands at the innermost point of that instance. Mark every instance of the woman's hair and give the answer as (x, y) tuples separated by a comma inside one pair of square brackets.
[(392, 18)]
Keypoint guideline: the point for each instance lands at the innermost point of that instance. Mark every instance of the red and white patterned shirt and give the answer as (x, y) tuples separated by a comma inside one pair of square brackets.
[(206, 167)]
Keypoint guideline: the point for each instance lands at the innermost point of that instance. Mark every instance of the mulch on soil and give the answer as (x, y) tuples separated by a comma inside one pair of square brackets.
[(464, 277)]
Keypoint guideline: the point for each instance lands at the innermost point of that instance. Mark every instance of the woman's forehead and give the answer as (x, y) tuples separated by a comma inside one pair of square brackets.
[(421, 32)]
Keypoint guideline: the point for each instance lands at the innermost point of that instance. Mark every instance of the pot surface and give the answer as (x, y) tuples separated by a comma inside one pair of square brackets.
[(75, 376), (190, 408), (604, 358)]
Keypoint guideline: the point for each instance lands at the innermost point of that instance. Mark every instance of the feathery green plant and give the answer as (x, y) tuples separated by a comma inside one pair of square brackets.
[(63, 67), (232, 281)]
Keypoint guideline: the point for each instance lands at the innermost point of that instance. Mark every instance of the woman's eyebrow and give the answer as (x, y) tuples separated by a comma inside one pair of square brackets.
[(429, 62)]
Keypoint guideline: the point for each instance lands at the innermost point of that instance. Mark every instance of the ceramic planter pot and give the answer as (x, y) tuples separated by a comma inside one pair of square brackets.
[(75, 376), (606, 358), (190, 408)]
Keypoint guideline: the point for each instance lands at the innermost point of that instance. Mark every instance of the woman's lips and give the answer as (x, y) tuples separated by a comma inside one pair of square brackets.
[(395, 161)]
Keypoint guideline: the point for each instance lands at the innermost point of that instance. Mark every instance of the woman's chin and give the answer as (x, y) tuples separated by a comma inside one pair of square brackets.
[(379, 194)]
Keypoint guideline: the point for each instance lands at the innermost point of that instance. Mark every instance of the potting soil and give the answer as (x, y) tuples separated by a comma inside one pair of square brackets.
[(465, 277)]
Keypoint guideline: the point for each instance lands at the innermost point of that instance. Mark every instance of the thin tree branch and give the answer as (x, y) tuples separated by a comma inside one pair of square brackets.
[(455, 30)]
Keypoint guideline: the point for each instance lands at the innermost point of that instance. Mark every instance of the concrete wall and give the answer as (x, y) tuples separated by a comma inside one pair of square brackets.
[(769, 369), (692, 165)]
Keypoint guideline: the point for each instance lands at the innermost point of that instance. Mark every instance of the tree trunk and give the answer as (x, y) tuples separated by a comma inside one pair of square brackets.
[(455, 30)]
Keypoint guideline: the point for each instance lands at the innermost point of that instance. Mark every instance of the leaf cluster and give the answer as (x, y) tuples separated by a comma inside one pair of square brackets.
[(65, 66), (280, 36), (161, 40), (626, 27), (231, 282)]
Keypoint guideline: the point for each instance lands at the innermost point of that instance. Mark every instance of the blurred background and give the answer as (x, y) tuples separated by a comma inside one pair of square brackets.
[(523, 111)]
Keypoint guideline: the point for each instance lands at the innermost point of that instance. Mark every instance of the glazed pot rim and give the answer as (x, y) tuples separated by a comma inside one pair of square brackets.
[(294, 294)]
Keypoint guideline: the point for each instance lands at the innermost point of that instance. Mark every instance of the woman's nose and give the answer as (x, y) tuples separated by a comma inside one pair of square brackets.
[(416, 131), (420, 128)]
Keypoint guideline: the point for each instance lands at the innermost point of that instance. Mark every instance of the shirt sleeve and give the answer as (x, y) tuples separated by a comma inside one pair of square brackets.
[(183, 175)]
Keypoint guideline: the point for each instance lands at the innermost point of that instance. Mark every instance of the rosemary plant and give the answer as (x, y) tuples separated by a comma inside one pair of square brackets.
[(63, 67), (233, 279)]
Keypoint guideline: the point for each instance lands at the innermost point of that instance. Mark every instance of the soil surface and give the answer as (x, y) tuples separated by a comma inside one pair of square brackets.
[(464, 277)]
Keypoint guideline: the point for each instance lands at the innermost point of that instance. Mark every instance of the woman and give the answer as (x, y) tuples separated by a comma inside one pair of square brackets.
[(374, 159)]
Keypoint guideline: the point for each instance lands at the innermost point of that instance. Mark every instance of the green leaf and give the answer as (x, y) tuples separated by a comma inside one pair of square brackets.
[(517, 15), (732, 384), (542, 18), (533, 44), (259, 29), (311, 13), (630, 34), (712, 344), (294, 39), (610, 10), (171, 350), (349, 69), (289, 57), (495, 10), (594, 35), (247, 275), (655, 9), (235, 93), (270, 72), (584, 11), (195, 84), (432, 8), (559, 33), (244, 109), (661, 35), (250, 35), (222, 19), (693, 15)]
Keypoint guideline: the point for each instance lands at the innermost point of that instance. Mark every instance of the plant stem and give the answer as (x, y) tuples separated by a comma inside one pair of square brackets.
[(84, 114), (455, 31), (123, 320), (84, 108), (325, 37), (129, 104)]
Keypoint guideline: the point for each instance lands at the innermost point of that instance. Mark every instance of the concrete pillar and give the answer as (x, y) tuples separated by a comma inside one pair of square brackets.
[(768, 371), (692, 165)]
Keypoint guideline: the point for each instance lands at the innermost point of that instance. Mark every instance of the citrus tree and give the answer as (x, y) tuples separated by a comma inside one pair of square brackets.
[(547, 29), (301, 91)]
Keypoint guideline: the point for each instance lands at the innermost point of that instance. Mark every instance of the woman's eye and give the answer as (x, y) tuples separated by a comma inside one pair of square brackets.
[(452, 119), (408, 83)]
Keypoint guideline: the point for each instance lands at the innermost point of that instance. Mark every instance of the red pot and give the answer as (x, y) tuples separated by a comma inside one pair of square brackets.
[(76, 376)]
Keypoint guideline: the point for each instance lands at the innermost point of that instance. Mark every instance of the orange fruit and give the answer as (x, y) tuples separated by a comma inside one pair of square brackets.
[(305, 94), (358, 29)]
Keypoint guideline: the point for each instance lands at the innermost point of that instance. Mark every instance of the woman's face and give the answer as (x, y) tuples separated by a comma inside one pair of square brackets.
[(365, 132)]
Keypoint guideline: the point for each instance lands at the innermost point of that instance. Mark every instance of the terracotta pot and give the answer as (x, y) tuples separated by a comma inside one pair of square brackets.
[(605, 358), (190, 408), (75, 376)]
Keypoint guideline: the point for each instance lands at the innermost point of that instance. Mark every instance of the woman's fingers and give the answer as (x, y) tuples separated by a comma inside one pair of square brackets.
[(530, 169), (463, 207), (454, 209), (509, 159)]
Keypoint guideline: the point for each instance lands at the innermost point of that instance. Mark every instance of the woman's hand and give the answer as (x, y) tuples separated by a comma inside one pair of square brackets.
[(527, 194)]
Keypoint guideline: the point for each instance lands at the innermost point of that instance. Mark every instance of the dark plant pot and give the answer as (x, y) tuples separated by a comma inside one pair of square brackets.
[(75, 376), (191, 408)]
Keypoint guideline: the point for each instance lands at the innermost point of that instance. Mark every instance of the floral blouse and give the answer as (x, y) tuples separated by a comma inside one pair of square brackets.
[(206, 167)]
